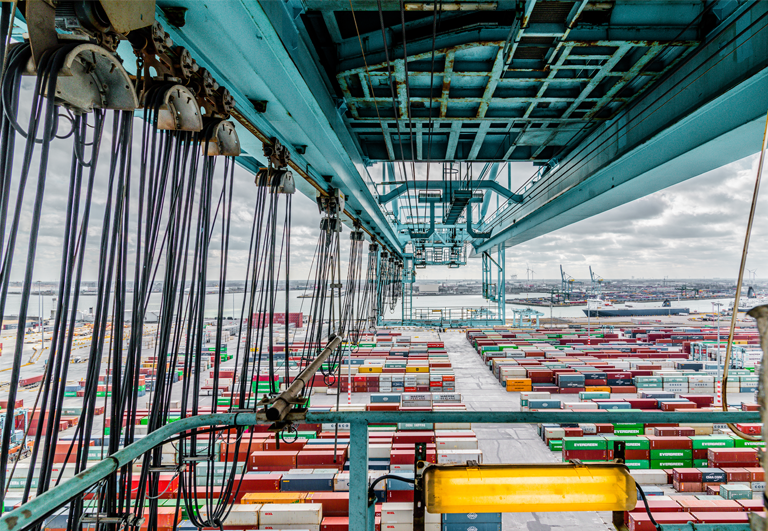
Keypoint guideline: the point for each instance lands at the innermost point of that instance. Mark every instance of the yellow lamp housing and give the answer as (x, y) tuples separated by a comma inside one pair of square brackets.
[(529, 488)]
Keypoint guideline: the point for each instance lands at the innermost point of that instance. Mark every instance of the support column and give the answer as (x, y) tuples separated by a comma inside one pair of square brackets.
[(502, 284), (358, 477)]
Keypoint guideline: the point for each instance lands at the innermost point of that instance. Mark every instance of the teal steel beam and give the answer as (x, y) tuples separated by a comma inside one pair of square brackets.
[(448, 187), (707, 113), (487, 199), (38, 508), (531, 417)]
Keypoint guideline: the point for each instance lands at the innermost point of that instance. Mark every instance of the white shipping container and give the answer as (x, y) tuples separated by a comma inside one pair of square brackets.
[(243, 515), (402, 513), (293, 513), (457, 443), (379, 451), (649, 477), (452, 426), (459, 457)]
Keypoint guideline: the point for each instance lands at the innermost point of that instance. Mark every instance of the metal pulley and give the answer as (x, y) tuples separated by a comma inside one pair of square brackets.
[(92, 77), (223, 140), (179, 110)]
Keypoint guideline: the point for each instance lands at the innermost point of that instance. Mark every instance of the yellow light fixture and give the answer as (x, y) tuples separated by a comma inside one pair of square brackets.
[(529, 488)]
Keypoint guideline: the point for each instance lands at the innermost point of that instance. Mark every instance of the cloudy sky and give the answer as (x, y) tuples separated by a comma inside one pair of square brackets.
[(691, 230)]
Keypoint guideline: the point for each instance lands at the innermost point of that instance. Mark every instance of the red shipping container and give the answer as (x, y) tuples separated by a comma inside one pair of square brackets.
[(743, 456), (673, 406), (400, 496), (321, 459), (334, 503), (756, 474), (642, 522), (751, 429), (259, 483), (753, 504), (165, 517), (633, 455), (413, 437), (335, 523), (272, 461), (686, 474), (584, 454), (688, 486), (270, 445), (670, 443), (737, 475)]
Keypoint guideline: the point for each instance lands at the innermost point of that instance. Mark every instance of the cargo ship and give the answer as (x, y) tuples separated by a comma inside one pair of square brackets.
[(600, 308)]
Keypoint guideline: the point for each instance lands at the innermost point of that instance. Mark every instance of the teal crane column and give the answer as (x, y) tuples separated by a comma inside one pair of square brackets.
[(358, 476)]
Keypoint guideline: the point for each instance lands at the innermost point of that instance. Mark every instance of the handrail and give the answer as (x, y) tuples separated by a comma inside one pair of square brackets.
[(40, 507)]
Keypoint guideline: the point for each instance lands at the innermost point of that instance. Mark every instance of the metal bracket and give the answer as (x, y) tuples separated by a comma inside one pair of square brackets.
[(179, 111), (164, 469), (223, 140), (195, 458), (619, 448), (92, 77)]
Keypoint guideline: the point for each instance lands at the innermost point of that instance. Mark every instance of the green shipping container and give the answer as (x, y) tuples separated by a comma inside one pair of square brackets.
[(661, 455), (555, 445), (702, 441), (672, 464), (584, 443), (638, 464)]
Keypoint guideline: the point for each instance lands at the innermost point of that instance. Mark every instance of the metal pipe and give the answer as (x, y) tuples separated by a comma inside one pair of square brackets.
[(737, 296), (283, 403)]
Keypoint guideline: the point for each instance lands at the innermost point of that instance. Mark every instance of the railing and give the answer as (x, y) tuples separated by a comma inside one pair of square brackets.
[(38, 508), (456, 315)]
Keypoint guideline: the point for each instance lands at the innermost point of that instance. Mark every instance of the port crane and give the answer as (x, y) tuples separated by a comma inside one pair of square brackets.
[(566, 284), (596, 283)]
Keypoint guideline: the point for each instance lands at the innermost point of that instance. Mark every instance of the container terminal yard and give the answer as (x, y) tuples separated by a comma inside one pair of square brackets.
[(180, 350)]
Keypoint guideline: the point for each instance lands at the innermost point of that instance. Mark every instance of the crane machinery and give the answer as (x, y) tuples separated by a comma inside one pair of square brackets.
[(566, 284), (396, 119)]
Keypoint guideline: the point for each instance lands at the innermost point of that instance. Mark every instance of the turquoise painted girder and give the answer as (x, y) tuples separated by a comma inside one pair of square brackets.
[(516, 82), (711, 111), (242, 43)]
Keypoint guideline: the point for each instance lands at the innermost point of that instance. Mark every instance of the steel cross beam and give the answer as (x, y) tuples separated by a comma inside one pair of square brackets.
[(38, 508), (448, 187), (707, 113)]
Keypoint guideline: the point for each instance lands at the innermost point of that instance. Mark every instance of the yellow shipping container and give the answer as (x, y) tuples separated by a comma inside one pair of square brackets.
[(417, 368), (274, 497), (597, 389), (368, 369)]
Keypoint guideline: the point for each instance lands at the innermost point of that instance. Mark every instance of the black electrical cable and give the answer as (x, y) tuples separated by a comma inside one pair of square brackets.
[(647, 509)]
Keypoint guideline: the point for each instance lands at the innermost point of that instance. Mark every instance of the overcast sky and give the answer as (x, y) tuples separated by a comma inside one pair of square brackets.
[(692, 230)]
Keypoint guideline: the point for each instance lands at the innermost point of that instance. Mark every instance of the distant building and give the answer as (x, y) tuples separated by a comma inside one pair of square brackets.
[(429, 289)]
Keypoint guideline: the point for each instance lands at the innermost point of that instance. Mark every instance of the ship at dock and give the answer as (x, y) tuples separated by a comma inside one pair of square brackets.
[(601, 308)]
